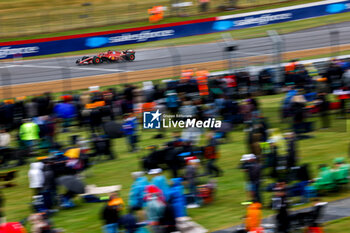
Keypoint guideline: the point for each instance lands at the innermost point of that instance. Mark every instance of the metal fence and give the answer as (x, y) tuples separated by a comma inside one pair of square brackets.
[(62, 75)]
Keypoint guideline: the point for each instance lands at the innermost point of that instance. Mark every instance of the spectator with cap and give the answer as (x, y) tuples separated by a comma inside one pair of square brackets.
[(253, 171), (137, 191), (245, 165), (160, 181), (111, 213)]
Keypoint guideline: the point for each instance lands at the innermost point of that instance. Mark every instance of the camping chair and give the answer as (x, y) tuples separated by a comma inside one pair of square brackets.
[(309, 218)]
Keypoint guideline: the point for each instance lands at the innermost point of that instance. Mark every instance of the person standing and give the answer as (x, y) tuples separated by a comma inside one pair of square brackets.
[(324, 107), (29, 133), (137, 191), (254, 173), (36, 177), (111, 213), (280, 204), (191, 175), (5, 140), (160, 181), (177, 198), (155, 211), (129, 129), (211, 154), (292, 155)]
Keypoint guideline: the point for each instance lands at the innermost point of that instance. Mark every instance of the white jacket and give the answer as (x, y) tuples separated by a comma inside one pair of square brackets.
[(5, 139), (36, 175)]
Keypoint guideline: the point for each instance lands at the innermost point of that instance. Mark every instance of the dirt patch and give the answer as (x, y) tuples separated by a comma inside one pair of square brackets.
[(144, 75)]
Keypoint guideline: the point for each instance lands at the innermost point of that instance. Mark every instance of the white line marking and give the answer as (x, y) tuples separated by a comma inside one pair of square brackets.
[(69, 67)]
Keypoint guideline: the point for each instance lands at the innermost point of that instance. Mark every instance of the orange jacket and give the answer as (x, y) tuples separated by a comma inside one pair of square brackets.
[(148, 107), (253, 219), (203, 85)]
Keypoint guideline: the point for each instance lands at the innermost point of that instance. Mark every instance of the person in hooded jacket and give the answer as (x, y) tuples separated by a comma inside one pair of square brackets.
[(160, 181), (177, 198), (137, 191), (36, 177)]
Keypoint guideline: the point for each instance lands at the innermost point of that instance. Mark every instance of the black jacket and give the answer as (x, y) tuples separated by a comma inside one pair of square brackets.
[(254, 172), (110, 214)]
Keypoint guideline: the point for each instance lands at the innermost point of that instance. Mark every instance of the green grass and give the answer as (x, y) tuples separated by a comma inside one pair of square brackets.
[(224, 212), (37, 19), (337, 226)]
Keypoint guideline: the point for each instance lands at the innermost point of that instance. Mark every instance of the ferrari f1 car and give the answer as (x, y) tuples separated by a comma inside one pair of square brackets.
[(109, 56)]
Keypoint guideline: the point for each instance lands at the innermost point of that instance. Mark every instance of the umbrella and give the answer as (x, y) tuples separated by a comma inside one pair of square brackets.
[(72, 153), (113, 129), (72, 184), (12, 227)]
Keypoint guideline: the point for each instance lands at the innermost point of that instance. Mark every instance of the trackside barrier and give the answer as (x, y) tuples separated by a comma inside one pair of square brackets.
[(53, 45)]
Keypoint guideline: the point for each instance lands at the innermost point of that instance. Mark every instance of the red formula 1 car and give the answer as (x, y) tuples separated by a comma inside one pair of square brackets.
[(109, 56)]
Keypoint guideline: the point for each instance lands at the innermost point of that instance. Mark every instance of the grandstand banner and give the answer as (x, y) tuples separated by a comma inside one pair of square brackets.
[(62, 44)]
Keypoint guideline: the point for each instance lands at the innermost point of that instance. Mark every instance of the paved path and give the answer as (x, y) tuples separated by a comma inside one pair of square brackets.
[(334, 210)]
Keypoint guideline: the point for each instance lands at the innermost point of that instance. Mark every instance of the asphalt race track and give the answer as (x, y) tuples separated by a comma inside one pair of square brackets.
[(31, 71)]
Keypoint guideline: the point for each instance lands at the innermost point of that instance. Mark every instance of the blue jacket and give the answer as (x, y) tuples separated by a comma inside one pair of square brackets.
[(137, 192), (65, 110), (129, 126), (161, 182), (177, 198)]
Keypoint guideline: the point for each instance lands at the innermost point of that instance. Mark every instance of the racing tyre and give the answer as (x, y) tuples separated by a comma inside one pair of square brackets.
[(96, 60), (103, 59), (131, 57)]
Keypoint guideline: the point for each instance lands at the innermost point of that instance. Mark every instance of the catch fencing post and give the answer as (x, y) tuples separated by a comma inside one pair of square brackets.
[(277, 43), (334, 39), (229, 48), (66, 75), (176, 59)]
